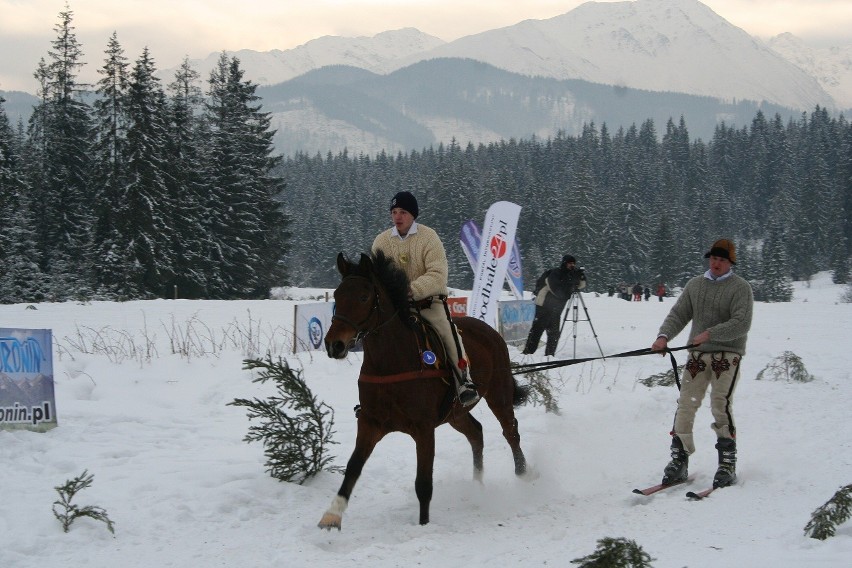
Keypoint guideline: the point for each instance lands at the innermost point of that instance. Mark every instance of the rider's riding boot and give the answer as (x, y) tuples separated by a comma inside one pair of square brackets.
[(676, 470), (466, 389)]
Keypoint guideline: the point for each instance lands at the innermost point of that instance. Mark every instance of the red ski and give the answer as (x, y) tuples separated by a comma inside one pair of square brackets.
[(660, 487)]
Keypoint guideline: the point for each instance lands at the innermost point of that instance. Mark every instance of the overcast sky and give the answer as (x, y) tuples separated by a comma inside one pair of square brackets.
[(173, 29)]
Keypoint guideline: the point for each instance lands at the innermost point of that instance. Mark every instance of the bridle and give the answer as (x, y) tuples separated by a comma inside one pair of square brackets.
[(361, 329)]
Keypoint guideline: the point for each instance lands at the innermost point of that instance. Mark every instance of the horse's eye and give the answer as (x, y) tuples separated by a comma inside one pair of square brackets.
[(365, 298)]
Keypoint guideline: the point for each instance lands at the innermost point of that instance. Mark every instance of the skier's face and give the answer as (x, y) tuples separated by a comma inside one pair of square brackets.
[(402, 220), (719, 265)]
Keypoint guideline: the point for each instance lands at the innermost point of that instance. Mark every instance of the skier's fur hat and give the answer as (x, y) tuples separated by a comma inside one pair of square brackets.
[(723, 248)]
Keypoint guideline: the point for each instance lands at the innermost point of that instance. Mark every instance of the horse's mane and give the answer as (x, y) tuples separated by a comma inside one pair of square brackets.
[(394, 280), (391, 277)]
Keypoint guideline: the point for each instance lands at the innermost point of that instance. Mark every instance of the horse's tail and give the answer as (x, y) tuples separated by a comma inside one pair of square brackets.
[(521, 394)]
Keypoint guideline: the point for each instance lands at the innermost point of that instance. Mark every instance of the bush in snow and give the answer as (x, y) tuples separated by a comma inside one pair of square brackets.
[(786, 367), (68, 512), (616, 553), (665, 379), (296, 444), (540, 391), (836, 511)]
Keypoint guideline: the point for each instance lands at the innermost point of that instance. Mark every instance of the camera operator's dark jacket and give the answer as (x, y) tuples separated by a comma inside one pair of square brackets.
[(555, 286)]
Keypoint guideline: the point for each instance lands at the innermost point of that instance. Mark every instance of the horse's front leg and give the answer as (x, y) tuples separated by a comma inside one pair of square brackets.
[(472, 430), (425, 442), (364, 445)]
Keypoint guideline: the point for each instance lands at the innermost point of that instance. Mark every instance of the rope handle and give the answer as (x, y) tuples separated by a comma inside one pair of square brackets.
[(547, 365)]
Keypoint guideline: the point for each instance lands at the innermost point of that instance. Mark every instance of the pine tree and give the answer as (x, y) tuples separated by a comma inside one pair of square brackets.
[(144, 212), (776, 285), (186, 183), (113, 266), (248, 228), (59, 150)]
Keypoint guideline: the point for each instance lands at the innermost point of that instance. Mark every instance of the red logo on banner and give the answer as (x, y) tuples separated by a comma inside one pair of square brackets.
[(498, 246), (458, 306)]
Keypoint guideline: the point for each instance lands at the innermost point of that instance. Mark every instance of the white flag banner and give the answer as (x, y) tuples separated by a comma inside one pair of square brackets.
[(498, 236)]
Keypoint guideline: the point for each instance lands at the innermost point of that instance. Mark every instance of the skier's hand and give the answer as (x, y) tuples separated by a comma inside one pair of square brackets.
[(660, 345)]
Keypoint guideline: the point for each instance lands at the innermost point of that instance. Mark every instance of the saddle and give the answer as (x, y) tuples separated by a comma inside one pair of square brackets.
[(431, 350)]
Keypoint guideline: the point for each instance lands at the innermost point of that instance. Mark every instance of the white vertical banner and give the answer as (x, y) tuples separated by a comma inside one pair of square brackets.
[(498, 235)]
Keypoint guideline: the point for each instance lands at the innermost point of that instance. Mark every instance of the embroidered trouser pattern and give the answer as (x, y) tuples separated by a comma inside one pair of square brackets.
[(719, 371)]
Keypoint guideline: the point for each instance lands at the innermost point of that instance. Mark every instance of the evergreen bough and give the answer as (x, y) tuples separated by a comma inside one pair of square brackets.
[(68, 512), (664, 379), (616, 553), (786, 367), (295, 444), (836, 511), (540, 392)]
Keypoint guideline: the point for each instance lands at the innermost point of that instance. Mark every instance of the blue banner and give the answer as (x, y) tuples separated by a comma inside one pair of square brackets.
[(27, 399)]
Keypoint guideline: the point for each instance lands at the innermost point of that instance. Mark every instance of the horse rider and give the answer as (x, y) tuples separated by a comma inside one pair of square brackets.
[(419, 252)]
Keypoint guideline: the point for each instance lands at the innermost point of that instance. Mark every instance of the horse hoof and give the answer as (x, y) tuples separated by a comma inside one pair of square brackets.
[(330, 521), (529, 475)]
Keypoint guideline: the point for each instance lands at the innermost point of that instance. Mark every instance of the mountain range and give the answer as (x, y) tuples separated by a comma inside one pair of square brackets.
[(618, 63)]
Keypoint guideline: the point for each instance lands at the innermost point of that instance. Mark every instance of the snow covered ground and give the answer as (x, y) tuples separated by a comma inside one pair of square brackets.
[(171, 469)]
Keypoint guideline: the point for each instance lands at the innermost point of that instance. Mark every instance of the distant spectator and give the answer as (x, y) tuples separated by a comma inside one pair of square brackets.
[(647, 293), (637, 292), (661, 291)]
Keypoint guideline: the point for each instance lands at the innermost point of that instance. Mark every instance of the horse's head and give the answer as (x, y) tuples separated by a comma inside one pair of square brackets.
[(355, 301), (370, 293)]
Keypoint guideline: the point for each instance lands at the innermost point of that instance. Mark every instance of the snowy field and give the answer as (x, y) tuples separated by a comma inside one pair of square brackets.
[(183, 489)]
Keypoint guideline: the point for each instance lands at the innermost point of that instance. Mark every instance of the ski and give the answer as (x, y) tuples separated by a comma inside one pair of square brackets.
[(700, 495), (660, 487)]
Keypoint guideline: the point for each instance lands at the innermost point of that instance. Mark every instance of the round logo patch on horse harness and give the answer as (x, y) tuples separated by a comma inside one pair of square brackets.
[(429, 358)]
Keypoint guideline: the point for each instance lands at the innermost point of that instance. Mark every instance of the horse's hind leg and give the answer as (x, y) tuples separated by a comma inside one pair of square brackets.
[(365, 442), (472, 430)]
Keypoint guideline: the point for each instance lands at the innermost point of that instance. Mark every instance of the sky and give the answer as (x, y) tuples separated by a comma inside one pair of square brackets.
[(174, 29), (171, 470)]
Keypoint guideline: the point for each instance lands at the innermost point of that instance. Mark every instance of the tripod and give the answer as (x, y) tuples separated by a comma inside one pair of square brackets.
[(573, 308)]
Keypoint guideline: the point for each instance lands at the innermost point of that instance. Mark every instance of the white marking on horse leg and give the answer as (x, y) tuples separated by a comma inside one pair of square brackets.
[(338, 505), (333, 517)]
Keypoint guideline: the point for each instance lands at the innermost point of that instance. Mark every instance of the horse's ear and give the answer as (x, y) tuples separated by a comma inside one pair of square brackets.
[(366, 265), (342, 264)]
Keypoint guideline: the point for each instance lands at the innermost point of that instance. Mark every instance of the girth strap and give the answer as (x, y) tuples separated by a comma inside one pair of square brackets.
[(407, 376)]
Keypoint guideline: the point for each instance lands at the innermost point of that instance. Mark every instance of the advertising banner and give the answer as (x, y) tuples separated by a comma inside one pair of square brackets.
[(27, 400), (458, 307), (471, 239), (516, 317), (498, 236), (311, 324)]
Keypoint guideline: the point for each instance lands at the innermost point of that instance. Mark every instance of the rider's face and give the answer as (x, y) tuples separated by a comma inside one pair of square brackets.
[(402, 220)]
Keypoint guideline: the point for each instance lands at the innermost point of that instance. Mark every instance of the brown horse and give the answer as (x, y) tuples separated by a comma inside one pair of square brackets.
[(398, 392)]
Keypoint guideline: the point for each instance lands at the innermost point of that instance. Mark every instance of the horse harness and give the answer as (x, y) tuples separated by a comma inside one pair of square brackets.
[(423, 331)]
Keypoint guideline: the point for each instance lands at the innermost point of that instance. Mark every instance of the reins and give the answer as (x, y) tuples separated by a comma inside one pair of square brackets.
[(547, 365), (362, 332)]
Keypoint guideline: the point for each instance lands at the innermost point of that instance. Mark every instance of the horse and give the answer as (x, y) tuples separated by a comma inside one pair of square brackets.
[(398, 392)]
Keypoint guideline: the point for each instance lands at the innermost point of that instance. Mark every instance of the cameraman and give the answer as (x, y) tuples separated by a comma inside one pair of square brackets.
[(552, 291)]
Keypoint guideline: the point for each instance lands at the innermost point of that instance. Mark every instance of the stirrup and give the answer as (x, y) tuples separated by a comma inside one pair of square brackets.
[(467, 394)]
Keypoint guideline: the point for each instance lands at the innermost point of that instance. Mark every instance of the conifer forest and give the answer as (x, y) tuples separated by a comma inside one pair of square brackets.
[(129, 189)]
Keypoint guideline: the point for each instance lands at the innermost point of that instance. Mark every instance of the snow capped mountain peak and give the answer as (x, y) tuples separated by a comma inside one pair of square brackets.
[(659, 45), (371, 53), (831, 66)]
